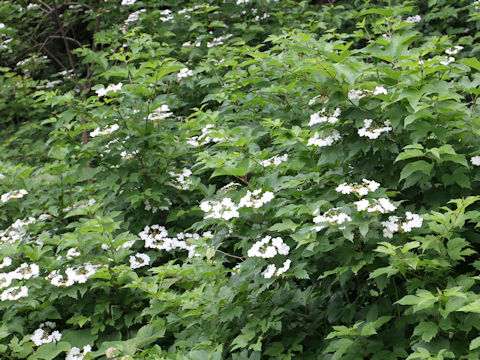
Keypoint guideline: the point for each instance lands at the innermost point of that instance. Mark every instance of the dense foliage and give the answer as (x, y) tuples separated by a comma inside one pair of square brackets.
[(239, 179)]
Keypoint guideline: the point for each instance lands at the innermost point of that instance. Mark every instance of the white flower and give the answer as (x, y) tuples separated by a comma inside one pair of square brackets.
[(14, 194), (26, 271), (75, 354), (362, 205), (413, 19), (475, 160), (5, 280), (6, 262), (160, 113), (285, 267), (318, 141), (110, 88), (106, 131), (332, 216), (139, 260), (375, 133), (454, 51), (379, 90), (182, 180), (14, 293), (43, 336), (269, 271), (128, 2), (72, 252), (185, 72), (274, 161)]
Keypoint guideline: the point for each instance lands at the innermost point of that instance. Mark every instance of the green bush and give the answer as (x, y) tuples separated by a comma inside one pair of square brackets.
[(239, 180)]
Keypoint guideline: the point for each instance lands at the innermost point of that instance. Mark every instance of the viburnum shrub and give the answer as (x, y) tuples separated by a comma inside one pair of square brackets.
[(239, 179)]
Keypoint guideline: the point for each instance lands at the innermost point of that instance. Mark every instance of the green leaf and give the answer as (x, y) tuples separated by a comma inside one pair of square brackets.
[(427, 330), (471, 62), (286, 224), (475, 343), (420, 165)]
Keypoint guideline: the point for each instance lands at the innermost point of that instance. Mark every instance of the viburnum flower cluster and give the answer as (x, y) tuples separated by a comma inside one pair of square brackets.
[(475, 160), (358, 94), (395, 224), (358, 189), (110, 88), (218, 40), (17, 231), (185, 72), (204, 138), (227, 209), (373, 133), (14, 293), (181, 180), (264, 250), (332, 217), (321, 117), (80, 205), (156, 237), (319, 141), (138, 260), (108, 130), (413, 19), (268, 248), (14, 194), (133, 17), (78, 275), (160, 113), (76, 354), (46, 334), (23, 272), (274, 161), (382, 205)]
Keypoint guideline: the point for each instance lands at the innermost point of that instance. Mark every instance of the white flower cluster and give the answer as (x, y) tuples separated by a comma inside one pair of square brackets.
[(156, 237), (395, 224), (264, 250), (253, 199), (139, 260), (182, 179), (262, 17), (106, 131), (225, 209), (240, 2), (154, 209), (128, 2), (110, 88), (187, 10), (160, 113), (185, 72), (359, 189), (271, 269), (318, 117), (218, 40), (366, 130), (5, 263), (2, 176), (166, 15), (16, 231), (80, 205), (79, 275), (318, 141), (332, 217), (133, 17), (382, 205), (274, 161), (358, 94), (14, 194), (455, 50), (413, 19), (46, 334), (14, 293), (75, 354), (204, 139), (475, 160), (73, 253)]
